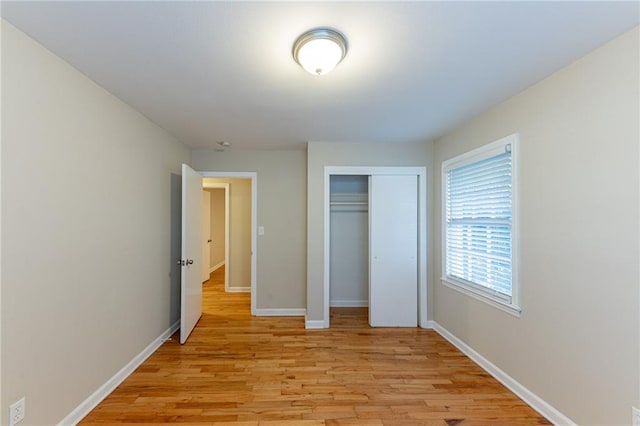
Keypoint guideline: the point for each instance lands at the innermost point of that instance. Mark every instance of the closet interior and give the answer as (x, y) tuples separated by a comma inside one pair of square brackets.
[(349, 241)]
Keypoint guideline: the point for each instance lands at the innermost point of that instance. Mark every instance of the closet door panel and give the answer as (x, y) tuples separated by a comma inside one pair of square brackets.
[(393, 236)]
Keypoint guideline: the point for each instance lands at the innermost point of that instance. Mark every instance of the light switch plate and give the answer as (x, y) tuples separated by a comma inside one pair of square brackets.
[(16, 412), (260, 230)]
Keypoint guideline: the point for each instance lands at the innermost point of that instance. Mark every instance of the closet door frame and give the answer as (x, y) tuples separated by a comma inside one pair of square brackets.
[(421, 173)]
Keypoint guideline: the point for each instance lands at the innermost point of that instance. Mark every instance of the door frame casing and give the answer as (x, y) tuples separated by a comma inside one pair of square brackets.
[(224, 186), (423, 278), (254, 220), (206, 273)]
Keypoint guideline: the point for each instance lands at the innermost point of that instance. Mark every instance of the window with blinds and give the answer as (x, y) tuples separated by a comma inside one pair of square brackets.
[(478, 221)]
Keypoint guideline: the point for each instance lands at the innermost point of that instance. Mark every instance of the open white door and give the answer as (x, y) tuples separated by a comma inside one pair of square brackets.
[(393, 245), (191, 283)]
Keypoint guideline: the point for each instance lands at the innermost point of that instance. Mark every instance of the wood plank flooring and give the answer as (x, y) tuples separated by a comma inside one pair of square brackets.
[(241, 370)]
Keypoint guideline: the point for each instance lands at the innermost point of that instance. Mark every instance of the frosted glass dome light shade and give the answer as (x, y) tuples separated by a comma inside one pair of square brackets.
[(319, 51)]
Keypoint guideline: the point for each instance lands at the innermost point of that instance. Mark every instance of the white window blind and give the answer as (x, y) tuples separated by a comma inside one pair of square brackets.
[(478, 198)]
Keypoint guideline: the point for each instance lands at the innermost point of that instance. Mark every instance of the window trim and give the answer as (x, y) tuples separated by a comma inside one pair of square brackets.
[(477, 292)]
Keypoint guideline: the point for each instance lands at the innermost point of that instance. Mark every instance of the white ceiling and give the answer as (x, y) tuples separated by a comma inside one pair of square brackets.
[(213, 71)]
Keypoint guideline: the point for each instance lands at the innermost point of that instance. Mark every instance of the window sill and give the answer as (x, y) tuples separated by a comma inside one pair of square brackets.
[(514, 310)]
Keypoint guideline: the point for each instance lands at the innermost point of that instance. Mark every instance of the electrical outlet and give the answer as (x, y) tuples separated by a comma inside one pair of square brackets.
[(635, 412), (16, 412)]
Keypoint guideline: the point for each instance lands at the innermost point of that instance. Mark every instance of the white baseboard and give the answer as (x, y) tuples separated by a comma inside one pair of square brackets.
[(103, 391), (214, 267), (428, 325), (314, 324), (238, 290), (287, 312), (537, 403), (349, 303)]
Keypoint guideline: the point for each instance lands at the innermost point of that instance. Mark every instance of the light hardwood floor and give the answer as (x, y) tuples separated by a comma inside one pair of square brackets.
[(242, 370)]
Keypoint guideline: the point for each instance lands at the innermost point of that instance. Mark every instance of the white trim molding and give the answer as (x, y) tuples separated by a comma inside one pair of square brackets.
[(483, 297), (216, 267), (537, 403), (429, 325), (281, 312), (239, 290), (109, 386), (349, 303), (315, 324)]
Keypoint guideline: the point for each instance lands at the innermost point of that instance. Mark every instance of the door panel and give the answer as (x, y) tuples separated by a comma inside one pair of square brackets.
[(191, 274), (393, 236)]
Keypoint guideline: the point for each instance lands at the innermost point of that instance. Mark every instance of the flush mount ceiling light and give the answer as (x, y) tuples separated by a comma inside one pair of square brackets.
[(224, 144), (318, 51)]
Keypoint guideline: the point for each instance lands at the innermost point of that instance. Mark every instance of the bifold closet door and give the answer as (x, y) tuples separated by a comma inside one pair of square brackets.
[(393, 239)]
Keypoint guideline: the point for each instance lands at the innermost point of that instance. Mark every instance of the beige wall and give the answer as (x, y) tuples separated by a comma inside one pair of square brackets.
[(217, 227), (239, 231), (576, 344), (90, 223), (321, 154), (281, 254)]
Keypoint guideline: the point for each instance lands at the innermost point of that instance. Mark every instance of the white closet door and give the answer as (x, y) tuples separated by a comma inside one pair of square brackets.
[(393, 236)]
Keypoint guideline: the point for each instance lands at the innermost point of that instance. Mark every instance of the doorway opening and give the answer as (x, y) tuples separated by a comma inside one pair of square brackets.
[(191, 261), (381, 271), (232, 231), (215, 213), (227, 230), (349, 247)]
